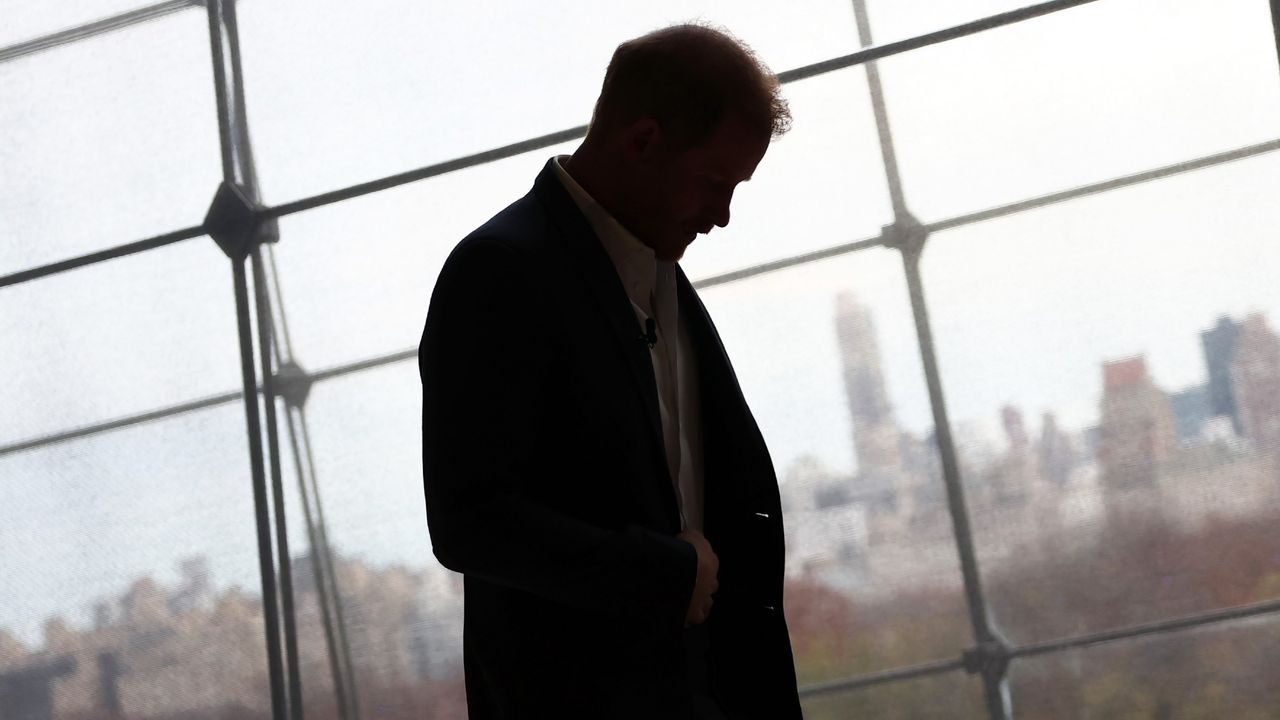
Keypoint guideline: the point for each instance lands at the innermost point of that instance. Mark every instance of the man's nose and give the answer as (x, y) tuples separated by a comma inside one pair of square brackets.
[(720, 216)]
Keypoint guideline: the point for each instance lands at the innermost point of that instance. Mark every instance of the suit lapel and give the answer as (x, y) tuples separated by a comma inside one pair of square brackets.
[(734, 456), (715, 370), (610, 296)]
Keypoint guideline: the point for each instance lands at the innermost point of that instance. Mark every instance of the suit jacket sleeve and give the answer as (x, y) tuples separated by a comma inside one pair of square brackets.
[(485, 365)]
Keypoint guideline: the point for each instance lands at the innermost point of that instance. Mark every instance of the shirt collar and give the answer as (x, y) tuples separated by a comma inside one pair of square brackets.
[(635, 262)]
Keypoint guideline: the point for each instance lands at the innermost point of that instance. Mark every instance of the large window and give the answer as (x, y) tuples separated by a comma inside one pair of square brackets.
[(1002, 303)]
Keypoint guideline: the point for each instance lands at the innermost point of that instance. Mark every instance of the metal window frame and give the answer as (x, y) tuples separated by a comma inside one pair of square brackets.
[(989, 657)]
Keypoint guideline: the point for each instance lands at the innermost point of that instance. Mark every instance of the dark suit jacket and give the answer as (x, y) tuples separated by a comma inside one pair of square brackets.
[(546, 486)]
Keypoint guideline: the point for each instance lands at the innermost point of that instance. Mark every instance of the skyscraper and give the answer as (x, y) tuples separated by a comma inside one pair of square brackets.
[(876, 439), (1219, 345), (1255, 380)]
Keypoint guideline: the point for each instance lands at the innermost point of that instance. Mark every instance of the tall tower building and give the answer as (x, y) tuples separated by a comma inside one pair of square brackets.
[(1056, 454), (875, 431), (1219, 344), (1137, 433), (1255, 380)]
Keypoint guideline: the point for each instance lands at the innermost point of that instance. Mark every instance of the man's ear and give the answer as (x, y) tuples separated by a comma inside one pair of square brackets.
[(642, 140)]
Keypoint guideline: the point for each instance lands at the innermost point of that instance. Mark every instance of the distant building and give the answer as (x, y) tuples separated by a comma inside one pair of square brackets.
[(1057, 454), (1015, 429), (1137, 433), (1192, 408), (880, 480), (1255, 380), (1219, 346), (1012, 478), (26, 692)]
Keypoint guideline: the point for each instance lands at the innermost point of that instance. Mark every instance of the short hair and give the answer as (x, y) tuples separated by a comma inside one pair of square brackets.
[(688, 77)]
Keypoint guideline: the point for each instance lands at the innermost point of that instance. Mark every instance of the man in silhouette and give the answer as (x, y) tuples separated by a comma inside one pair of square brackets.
[(590, 464)]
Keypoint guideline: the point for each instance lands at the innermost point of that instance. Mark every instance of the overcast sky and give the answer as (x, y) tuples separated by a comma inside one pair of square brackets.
[(115, 139)]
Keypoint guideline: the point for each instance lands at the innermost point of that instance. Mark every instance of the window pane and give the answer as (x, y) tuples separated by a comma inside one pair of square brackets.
[(131, 573), (340, 93), (115, 339), (826, 357), (1029, 109), (1217, 671), (357, 276), (147, 163), (1077, 348)]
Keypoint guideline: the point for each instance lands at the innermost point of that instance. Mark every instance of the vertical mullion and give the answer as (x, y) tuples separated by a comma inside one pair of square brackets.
[(994, 686), (887, 152), (277, 485), (220, 91), (1275, 24), (326, 558), (266, 564), (229, 131), (339, 662), (909, 237)]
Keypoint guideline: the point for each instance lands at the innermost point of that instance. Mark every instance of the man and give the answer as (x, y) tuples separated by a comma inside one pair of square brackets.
[(591, 466)]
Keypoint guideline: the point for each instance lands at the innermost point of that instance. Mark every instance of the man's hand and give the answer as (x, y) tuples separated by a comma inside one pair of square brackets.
[(706, 584)]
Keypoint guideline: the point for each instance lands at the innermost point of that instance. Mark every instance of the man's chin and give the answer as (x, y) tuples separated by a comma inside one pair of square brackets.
[(675, 249), (671, 254)]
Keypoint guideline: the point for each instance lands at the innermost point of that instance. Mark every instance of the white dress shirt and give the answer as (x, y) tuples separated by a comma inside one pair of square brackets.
[(651, 285)]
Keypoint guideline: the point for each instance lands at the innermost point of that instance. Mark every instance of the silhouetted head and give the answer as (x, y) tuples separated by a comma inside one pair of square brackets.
[(685, 114)]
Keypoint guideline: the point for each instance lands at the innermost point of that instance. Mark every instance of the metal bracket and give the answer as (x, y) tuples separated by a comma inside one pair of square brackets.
[(990, 658), (906, 233), (235, 222), (293, 384)]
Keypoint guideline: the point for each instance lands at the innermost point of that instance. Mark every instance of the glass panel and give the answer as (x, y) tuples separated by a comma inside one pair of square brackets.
[(147, 164), (953, 696), (431, 85), (827, 360), (400, 610), (131, 574), (115, 339), (1109, 321), (1026, 110), (1217, 671), (357, 276)]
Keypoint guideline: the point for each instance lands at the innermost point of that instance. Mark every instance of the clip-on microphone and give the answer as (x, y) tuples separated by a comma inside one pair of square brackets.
[(650, 335)]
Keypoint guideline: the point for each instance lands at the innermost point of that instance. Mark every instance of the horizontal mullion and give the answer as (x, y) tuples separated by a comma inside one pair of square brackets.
[(98, 27), (880, 678), (1106, 185), (1002, 210), (102, 255), (160, 414), (897, 47), (788, 262), (1136, 631), (448, 166), (211, 401), (1049, 646)]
